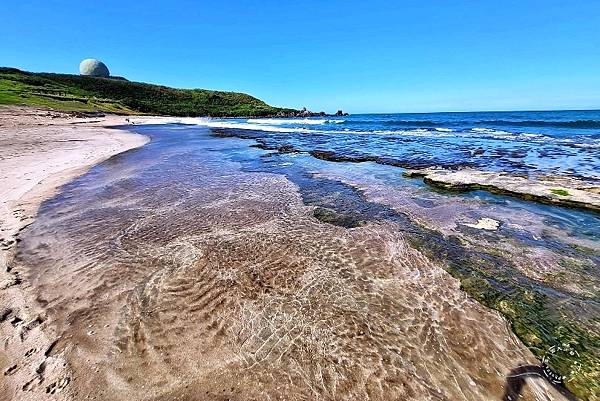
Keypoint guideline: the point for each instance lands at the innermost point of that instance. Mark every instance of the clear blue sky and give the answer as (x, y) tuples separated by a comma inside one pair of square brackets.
[(362, 56)]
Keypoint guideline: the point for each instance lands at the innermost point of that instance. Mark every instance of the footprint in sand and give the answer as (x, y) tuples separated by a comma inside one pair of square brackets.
[(30, 352), (31, 384), (58, 386), (11, 370)]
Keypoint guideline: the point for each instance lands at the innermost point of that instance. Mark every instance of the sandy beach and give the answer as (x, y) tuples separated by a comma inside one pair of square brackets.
[(316, 201), (127, 289), (39, 151)]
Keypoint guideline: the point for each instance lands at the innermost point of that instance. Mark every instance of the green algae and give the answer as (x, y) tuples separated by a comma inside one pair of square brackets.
[(533, 315), (561, 192), (339, 219)]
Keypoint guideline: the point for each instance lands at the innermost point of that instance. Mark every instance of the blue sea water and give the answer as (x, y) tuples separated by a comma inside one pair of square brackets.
[(524, 142)]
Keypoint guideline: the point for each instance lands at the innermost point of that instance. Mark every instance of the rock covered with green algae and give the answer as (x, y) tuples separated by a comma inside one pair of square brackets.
[(534, 312), (565, 191)]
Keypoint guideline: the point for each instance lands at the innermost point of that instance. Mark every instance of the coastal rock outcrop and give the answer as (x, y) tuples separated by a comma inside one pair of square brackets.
[(564, 191), (304, 112)]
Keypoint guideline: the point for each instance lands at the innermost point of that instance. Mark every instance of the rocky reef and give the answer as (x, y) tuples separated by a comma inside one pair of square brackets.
[(307, 113), (558, 190)]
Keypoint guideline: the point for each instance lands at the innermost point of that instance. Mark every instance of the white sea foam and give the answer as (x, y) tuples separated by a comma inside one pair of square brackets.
[(278, 125), (273, 121), (253, 127), (274, 125), (420, 132), (292, 121), (171, 120)]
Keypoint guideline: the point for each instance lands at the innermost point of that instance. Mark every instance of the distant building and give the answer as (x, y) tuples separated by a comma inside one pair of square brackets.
[(93, 68)]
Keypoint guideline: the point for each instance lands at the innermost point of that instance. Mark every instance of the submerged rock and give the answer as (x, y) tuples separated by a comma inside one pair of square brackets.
[(485, 223)]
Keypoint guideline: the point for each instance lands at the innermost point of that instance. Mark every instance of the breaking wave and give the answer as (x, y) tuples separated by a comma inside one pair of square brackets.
[(590, 124), (291, 121), (574, 124), (515, 130)]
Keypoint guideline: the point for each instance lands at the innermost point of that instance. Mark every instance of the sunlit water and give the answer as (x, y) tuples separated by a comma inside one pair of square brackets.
[(177, 239), (563, 142)]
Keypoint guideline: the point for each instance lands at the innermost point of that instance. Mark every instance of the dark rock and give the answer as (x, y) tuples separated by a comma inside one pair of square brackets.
[(286, 149), (301, 113)]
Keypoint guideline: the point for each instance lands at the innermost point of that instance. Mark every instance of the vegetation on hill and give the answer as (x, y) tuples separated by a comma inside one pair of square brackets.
[(113, 95)]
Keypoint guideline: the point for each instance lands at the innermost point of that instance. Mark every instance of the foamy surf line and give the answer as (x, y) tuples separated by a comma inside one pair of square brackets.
[(305, 121), (279, 126), (280, 129), (264, 125)]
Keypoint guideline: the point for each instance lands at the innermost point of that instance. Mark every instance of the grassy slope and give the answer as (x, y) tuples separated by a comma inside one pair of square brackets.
[(78, 93)]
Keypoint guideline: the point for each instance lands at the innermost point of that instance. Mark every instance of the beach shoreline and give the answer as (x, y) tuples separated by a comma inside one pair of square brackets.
[(41, 151), (81, 315)]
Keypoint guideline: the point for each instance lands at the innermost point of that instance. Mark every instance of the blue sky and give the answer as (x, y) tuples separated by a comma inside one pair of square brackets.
[(361, 56)]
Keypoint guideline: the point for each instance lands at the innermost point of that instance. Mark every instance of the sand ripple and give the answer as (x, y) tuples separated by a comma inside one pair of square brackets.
[(222, 285)]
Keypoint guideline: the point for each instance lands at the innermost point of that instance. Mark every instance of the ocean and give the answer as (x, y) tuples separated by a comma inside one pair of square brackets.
[(523, 142)]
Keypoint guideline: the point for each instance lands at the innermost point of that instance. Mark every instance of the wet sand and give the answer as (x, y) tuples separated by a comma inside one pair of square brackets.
[(39, 151), (171, 272)]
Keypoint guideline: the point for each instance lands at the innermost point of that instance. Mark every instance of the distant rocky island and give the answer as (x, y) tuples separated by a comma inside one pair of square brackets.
[(307, 113)]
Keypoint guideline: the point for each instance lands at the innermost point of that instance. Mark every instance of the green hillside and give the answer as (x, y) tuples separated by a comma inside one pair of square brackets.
[(113, 95)]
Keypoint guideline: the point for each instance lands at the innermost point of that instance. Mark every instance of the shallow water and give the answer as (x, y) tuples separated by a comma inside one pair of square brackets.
[(284, 273)]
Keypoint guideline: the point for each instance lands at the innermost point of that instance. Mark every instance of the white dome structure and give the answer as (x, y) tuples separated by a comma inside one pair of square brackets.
[(93, 68)]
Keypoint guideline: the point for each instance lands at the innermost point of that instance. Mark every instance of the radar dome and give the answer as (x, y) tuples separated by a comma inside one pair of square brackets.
[(94, 68)]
